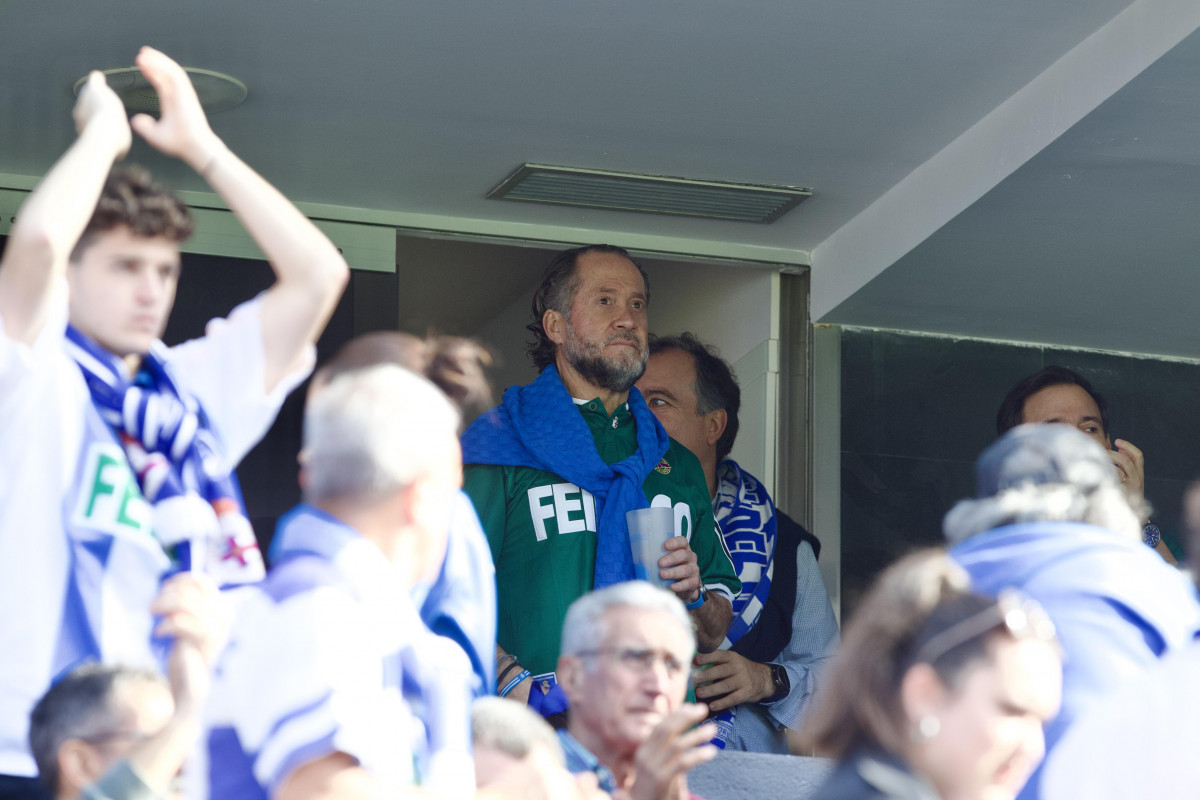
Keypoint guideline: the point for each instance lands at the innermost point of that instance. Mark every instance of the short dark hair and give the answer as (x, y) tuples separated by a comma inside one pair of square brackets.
[(78, 706), (715, 386), (1012, 410), (557, 292), (132, 198)]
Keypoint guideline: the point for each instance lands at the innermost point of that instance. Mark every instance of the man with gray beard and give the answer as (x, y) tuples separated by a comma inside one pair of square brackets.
[(554, 468)]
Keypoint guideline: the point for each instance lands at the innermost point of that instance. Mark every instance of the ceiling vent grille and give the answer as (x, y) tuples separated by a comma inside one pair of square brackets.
[(650, 194)]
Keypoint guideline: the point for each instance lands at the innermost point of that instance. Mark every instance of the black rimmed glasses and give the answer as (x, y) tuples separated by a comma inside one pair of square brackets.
[(637, 660), (1014, 611)]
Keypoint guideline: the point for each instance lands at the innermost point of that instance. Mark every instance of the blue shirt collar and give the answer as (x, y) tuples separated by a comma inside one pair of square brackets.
[(580, 759)]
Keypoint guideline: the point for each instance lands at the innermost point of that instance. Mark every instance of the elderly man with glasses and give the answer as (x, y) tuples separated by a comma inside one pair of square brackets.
[(626, 653)]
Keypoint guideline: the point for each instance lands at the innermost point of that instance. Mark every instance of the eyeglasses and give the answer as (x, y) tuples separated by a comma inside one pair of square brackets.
[(637, 660), (1015, 611)]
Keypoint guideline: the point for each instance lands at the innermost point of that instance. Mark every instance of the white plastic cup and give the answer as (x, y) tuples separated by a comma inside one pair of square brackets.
[(649, 529)]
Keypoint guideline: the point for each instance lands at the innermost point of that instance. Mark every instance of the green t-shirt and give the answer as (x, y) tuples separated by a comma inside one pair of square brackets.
[(542, 532)]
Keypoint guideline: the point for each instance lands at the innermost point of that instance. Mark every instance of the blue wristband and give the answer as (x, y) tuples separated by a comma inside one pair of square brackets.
[(513, 683), (699, 601)]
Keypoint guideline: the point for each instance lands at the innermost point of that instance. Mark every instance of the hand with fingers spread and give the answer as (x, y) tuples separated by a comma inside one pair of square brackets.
[(674, 746), (181, 129), (680, 565), (98, 109), (731, 680)]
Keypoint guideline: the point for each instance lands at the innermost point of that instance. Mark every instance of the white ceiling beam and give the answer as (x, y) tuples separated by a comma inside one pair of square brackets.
[(1012, 133)]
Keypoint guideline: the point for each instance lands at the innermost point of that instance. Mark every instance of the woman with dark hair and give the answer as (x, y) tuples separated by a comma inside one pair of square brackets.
[(937, 693)]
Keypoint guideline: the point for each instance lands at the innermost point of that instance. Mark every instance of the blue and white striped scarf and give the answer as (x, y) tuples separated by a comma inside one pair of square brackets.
[(178, 462), (746, 517)]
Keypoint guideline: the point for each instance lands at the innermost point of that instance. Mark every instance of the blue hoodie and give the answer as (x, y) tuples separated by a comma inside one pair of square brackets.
[(1117, 606)]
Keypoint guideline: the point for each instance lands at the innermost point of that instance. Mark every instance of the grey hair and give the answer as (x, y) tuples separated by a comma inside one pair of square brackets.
[(1104, 506), (78, 707), (512, 728), (373, 431), (586, 624)]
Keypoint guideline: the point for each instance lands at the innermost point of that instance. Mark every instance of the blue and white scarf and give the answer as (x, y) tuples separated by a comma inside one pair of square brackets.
[(539, 426), (178, 462), (746, 517)]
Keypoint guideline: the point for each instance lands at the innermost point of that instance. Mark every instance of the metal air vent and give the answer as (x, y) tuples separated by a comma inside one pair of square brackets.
[(217, 91), (650, 194)]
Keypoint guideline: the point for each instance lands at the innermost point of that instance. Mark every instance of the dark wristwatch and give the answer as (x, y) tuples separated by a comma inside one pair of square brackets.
[(1151, 534), (783, 684)]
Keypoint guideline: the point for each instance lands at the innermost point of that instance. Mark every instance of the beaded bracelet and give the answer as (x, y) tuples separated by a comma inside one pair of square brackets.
[(513, 683)]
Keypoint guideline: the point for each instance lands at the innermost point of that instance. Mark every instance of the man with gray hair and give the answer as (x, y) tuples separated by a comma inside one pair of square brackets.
[(329, 660), (1052, 519), (626, 654)]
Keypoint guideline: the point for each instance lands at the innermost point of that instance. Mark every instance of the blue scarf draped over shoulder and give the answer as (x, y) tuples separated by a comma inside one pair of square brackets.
[(539, 426)]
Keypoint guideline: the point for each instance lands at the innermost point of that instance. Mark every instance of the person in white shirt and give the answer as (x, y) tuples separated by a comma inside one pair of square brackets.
[(114, 448), (331, 682)]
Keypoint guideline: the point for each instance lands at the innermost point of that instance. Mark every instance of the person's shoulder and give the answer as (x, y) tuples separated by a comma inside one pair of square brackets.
[(483, 477), (866, 775), (794, 532), (844, 783), (681, 461), (299, 575)]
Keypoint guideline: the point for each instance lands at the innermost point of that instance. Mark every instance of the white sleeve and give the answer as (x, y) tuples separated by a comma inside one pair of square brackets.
[(42, 402), (19, 361), (305, 682), (224, 371)]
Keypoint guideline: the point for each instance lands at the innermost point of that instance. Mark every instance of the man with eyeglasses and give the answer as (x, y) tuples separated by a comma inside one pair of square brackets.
[(626, 652)]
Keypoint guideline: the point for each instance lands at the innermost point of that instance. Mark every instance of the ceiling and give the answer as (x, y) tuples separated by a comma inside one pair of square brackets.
[(1020, 170)]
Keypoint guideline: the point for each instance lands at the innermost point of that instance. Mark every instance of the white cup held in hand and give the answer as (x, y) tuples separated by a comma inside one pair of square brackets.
[(649, 529)]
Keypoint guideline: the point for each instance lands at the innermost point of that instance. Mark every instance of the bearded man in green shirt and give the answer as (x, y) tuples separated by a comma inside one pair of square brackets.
[(554, 468)]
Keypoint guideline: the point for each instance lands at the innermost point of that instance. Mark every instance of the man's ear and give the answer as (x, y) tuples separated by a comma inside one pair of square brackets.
[(714, 425), (78, 766), (569, 673), (554, 324)]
